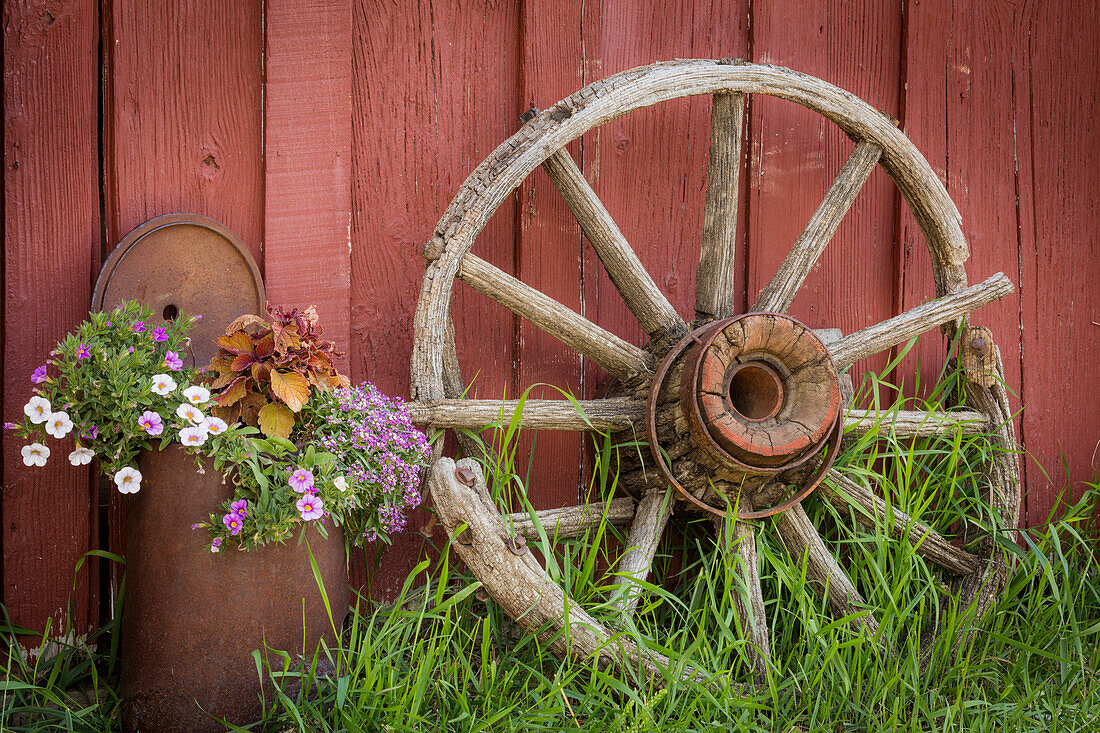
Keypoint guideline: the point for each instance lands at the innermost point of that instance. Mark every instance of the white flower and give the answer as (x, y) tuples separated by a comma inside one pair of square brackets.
[(213, 425), (35, 454), (197, 395), (81, 456), (189, 413), (341, 483), (128, 480), (163, 384), (38, 410), (193, 436), (59, 425)]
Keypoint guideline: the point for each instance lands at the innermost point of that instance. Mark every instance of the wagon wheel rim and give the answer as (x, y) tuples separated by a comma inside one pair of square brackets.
[(462, 502)]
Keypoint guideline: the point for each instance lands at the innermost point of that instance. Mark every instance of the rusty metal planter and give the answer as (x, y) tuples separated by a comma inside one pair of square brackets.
[(191, 618)]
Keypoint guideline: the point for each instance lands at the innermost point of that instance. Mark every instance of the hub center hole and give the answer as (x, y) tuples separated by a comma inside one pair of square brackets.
[(755, 391)]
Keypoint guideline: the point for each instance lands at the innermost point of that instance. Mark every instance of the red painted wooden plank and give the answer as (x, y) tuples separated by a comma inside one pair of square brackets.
[(435, 92), (796, 153), (1059, 97), (651, 166), (51, 255), (551, 253), (182, 123), (961, 111), (307, 151)]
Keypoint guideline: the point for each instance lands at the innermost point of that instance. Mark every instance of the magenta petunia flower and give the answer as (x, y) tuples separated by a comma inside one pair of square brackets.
[(159, 334), (83, 353), (301, 480), (39, 375), (173, 361), (233, 522), (138, 326), (311, 507), (152, 422), (240, 507), (91, 433), (216, 545)]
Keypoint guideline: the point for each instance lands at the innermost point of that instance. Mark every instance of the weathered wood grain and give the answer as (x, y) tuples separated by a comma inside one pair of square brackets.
[(51, 255), (917, 320), (779, 293), (571, 522), (870, 510), (914, 423), (739, 542), (612, 413), (716, 281), (645, 535), (617, 356), (307, 153)]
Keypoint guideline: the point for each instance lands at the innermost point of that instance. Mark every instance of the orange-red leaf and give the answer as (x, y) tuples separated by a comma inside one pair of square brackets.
[(261, 372), (276, 419), (232, 393), (222, 363), (236, 343), (265, 346), (223, 381), (290, 387), (242, 362)]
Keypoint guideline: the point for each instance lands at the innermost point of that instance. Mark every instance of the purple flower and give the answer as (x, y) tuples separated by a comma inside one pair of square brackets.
[(233, 522), (138, 326), (39, 375), (152, 422), (83, 353), (159, 334), (10, 426), (91, 433), (216, 545), (196, 526), (301, 480), (310, 507), (173, 361), (240, 507)]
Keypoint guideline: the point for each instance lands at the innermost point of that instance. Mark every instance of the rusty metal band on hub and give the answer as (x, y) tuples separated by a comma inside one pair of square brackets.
[(701, 339)]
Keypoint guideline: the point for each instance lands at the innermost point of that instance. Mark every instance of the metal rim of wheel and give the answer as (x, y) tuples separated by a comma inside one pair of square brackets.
[(751, 419)]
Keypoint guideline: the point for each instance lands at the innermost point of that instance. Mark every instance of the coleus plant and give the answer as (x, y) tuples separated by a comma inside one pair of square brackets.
[(266, 368)]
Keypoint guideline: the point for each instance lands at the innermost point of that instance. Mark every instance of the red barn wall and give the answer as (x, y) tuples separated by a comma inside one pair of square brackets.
[(331, 135)]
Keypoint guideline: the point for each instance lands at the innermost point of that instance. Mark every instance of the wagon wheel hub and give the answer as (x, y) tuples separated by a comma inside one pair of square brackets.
[(760, 399)]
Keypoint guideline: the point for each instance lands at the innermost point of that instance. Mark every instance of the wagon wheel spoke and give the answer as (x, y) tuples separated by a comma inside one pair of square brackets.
[(870, 511), (620, 358), (649, 523), (915, 423), (571, 522), (899, 329), (716, 278), (780, 291), (739, 541), (614, 413), (802, 540), (644, 299)]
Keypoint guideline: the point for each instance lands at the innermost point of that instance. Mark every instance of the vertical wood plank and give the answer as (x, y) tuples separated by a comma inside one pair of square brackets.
[(435, 92), (182, 124), (551, 253), (51, 255), (795, 154), (964, 62), (1058, 98), (650, 170), (307, 152)]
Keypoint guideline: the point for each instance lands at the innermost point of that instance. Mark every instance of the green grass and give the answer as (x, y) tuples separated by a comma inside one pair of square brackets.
[(443, 657)]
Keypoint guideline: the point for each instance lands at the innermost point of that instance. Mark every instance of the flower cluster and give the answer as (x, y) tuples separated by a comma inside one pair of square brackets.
[(118, 385)]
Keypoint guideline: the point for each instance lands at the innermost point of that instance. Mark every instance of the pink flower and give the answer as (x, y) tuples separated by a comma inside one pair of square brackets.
[(138, 326), (216, 545), (10, 426), (311, 507), (152, 422), (39, 375), (301, 480), (233, 522), (159, 334), (240, 507), (173, 361), (83, 353)]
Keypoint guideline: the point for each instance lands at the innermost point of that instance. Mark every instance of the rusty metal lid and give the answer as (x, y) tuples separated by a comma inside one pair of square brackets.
[(184, 263)]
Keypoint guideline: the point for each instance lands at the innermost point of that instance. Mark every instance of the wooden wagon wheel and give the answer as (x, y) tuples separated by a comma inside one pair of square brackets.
[(741, 405)]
